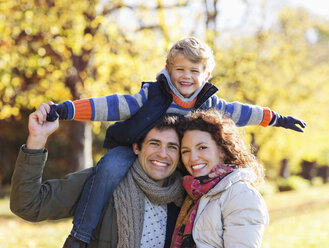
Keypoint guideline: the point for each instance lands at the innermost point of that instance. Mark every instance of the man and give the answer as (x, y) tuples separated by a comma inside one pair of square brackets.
[(143, 209)]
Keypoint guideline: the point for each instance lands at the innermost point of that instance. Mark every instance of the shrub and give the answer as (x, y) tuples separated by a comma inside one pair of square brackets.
[(292, 183)]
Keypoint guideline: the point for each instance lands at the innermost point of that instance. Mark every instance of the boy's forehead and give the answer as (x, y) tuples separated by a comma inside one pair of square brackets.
[(181, 60)]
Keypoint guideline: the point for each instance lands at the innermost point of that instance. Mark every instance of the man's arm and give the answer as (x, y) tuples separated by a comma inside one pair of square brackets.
[(35, 201), (31, 199)]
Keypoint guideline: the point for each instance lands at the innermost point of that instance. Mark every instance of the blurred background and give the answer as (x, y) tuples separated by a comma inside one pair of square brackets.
[(271, 53)]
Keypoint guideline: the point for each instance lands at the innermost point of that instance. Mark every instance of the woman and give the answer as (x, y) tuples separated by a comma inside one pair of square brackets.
[(223, 208)]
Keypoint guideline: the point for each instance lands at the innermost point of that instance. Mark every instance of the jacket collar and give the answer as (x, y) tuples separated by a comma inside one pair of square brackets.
[(242, 174), (208, 89)]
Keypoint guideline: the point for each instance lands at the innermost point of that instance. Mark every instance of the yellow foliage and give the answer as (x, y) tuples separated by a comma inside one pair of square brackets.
[(288, 74), (72, 50)]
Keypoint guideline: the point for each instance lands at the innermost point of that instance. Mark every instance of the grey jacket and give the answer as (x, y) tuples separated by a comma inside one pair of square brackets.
[(55, 199)]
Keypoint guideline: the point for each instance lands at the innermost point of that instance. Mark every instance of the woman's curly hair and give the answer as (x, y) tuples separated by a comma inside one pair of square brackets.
[(226, 135)]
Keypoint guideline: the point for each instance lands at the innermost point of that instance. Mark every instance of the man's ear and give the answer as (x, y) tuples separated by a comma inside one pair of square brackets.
[(135, 148)]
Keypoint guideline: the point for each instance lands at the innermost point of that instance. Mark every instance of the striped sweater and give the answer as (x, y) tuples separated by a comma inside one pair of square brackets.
[(119, 107)]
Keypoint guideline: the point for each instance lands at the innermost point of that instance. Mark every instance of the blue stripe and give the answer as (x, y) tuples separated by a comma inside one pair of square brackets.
[(229, 109), (142, 93), (132, 104), (92, 104), (244, 115), (70, 110), (113, 107), (214, 103)]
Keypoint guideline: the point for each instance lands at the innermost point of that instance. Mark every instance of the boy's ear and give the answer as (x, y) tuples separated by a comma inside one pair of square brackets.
[(207, 76), (135, 148)]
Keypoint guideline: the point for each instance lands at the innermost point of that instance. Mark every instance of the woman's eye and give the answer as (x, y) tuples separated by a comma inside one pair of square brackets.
[(184, 151), (203, 147)]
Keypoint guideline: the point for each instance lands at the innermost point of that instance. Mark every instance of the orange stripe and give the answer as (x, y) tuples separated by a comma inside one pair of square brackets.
[(267, 117), (181, 103), (82, 110)]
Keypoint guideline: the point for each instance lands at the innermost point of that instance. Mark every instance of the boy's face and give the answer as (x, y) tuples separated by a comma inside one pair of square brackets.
[(186, 75)]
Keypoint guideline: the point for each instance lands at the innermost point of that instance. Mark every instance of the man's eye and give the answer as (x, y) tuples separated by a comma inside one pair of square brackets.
[(154, 144), (173, 147)]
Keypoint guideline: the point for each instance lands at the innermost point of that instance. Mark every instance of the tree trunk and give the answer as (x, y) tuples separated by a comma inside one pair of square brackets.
[(88, 157), (80, 145)]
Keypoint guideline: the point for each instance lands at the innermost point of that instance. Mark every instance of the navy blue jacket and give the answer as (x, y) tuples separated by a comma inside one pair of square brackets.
[(159, 99)]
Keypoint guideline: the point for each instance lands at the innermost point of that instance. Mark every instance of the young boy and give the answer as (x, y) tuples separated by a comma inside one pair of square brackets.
[(180, 88)]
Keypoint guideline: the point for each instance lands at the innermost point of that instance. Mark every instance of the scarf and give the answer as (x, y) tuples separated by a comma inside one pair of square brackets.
[(129, 202), (195, 187)]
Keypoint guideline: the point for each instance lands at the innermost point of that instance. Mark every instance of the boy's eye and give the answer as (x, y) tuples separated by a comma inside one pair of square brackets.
[(195, 71)]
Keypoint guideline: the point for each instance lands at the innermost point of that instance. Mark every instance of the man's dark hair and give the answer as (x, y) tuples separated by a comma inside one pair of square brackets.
[(169, 121)]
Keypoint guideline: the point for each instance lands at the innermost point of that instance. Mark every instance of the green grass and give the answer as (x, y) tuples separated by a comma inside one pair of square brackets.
[(17, 233), (298, 219)]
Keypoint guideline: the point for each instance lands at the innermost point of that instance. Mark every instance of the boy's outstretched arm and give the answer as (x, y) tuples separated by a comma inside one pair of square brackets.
[(115, 107), (288, 122), (249, 115)]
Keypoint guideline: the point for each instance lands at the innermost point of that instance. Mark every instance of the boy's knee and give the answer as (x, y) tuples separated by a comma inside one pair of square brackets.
[(116, 162)]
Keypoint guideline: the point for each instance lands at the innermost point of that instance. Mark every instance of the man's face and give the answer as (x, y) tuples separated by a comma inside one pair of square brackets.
[(186, 75), (159, 154)]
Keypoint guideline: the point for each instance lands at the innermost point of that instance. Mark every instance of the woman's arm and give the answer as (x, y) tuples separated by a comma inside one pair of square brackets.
[(245, 217)]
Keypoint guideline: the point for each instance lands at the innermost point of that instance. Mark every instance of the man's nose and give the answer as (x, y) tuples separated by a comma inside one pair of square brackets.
[(162, 152)]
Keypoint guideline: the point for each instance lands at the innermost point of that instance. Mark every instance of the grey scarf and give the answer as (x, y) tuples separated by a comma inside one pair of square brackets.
[(129, 202)]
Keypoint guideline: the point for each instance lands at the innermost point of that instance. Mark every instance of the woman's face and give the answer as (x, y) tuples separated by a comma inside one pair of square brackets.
[(200, 153)]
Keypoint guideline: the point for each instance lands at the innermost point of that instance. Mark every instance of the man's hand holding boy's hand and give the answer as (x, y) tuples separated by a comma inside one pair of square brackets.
[(58, 111), (39, 127)]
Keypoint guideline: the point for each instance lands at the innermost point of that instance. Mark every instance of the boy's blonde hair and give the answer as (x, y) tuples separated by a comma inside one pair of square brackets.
[(195, 50)]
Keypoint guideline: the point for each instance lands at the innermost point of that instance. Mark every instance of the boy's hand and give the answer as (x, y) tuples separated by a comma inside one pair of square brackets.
[(39, 128), (288, 122), (57, 111)]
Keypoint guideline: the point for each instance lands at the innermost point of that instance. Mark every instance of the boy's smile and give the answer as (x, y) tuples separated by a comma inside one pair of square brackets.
[(186, 75)]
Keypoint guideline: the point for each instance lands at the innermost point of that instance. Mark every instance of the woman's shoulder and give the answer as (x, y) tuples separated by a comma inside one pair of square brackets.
[(237, 179), (242, 194)]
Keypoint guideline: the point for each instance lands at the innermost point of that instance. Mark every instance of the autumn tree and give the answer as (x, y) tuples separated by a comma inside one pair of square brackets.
[(60, 50), (283, 69)]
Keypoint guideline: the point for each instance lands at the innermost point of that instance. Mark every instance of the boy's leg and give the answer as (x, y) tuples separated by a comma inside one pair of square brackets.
[(99, 187)]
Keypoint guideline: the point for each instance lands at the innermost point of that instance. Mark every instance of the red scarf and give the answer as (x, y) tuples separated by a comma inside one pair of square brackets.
[(195, 187)]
